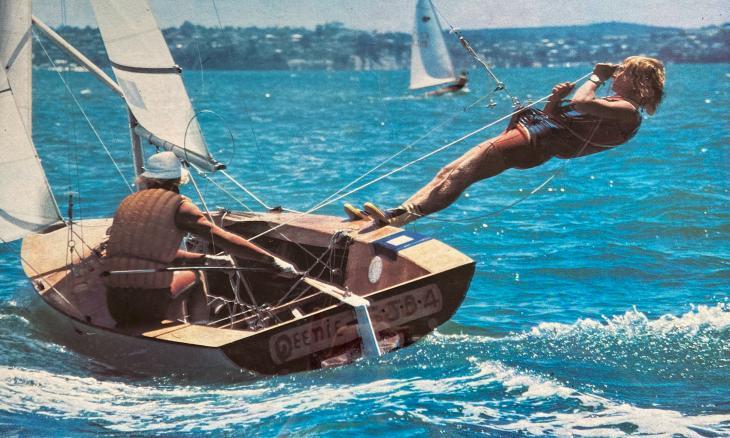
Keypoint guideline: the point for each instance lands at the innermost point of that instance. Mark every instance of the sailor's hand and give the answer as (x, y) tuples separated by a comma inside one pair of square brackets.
[(223, 260), (286, 269), (604, 71), (562, 89)]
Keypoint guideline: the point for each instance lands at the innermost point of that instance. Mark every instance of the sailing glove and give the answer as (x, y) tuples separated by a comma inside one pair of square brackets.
[(219, 260), (286, 269)]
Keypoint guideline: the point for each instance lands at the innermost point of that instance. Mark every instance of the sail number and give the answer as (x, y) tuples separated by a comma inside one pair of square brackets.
[(339, 328), (404, 307)]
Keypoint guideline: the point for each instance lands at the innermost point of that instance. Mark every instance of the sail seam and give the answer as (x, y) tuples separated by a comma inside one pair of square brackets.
[(152, 70), (18, 48)]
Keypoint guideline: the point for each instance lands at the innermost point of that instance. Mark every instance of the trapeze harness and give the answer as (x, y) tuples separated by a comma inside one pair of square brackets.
[(567, 133), (143, 235)]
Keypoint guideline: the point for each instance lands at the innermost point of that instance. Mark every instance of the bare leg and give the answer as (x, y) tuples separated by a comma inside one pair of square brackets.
[(483, 161), (188, 298), (182, 281)]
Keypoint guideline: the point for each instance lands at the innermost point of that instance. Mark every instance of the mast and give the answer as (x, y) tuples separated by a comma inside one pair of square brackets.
[(137, 155)]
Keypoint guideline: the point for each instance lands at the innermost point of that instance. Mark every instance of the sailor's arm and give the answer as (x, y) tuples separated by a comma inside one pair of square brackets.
[(187, 258), (584, 100), (558, 93), (587, 103), (190, 218)]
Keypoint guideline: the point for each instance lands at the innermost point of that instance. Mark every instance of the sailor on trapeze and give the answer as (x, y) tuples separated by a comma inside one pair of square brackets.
[(582, 126)]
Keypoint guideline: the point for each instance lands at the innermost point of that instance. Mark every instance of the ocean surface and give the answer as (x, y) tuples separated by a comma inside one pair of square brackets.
[(599, 306)]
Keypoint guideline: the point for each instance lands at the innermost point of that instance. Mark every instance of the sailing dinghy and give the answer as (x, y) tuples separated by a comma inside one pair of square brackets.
[(367, 291), (431, 63)]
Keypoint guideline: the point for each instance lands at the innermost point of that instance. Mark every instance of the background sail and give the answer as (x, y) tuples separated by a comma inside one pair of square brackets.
[(430, 61), (151, 82), (26, 202), (15, 53)]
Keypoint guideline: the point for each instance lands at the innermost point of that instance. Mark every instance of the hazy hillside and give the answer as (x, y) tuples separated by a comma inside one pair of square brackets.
[(334, 47)]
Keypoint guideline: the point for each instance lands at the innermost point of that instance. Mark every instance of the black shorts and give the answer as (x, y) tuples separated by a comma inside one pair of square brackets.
[(550, 138), (135, 306)]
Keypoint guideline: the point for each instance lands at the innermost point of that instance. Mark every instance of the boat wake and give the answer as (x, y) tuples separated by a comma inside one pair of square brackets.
[(404, 97), (530, 383)]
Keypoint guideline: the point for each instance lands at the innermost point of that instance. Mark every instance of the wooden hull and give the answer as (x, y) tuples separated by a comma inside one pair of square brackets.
[(413, 284)]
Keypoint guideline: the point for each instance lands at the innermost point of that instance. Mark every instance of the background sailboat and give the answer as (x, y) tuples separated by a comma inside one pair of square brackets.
[(431, 63)]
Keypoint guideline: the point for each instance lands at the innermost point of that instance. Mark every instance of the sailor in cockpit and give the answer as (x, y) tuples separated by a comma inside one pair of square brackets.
[(146, 233)]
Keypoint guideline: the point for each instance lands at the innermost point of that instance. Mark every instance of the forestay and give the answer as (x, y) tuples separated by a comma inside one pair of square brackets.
[(430, 61), (26, 202), (151, 82), (15, 52)]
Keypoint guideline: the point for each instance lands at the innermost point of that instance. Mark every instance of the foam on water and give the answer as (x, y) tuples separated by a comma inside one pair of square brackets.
[(636, 323)]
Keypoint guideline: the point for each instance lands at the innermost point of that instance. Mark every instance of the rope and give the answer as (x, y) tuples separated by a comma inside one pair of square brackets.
[(202, 174), (78, 105), (318, 260), (240, 186), (38, 273), (470, 50), (408, 146)]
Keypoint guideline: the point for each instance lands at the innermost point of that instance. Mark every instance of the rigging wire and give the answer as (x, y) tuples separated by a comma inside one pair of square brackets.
[(470, 50), (410, 145), (326, 201), (81, 109), (241, 186), (499, 87), (243, 101), (202, 174)]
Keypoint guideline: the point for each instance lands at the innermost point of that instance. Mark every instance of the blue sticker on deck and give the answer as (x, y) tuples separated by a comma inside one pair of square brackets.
[(400, 241)]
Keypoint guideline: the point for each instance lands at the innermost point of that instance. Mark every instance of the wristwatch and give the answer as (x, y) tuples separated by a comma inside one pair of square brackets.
[(595, 79)]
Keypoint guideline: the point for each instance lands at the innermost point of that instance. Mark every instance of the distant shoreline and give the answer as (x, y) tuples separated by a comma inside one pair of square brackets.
[(333, 47)]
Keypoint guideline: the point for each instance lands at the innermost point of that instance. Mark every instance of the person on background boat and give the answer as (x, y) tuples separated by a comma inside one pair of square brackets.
[(456, 86), (146, 233), (584, 125)]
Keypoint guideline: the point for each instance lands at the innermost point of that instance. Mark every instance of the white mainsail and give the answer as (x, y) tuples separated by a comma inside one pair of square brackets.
[(430, 61), (26, 202), (15, 53), (151, 82)]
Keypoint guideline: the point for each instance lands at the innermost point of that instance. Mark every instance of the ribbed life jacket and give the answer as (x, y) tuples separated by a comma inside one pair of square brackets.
[(144, 236)]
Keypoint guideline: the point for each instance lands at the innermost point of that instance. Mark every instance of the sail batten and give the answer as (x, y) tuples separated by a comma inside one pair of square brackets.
[(430, 60), (149, 78)]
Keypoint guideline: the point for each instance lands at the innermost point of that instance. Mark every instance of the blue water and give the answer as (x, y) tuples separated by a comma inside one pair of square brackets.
[(599, 307)]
